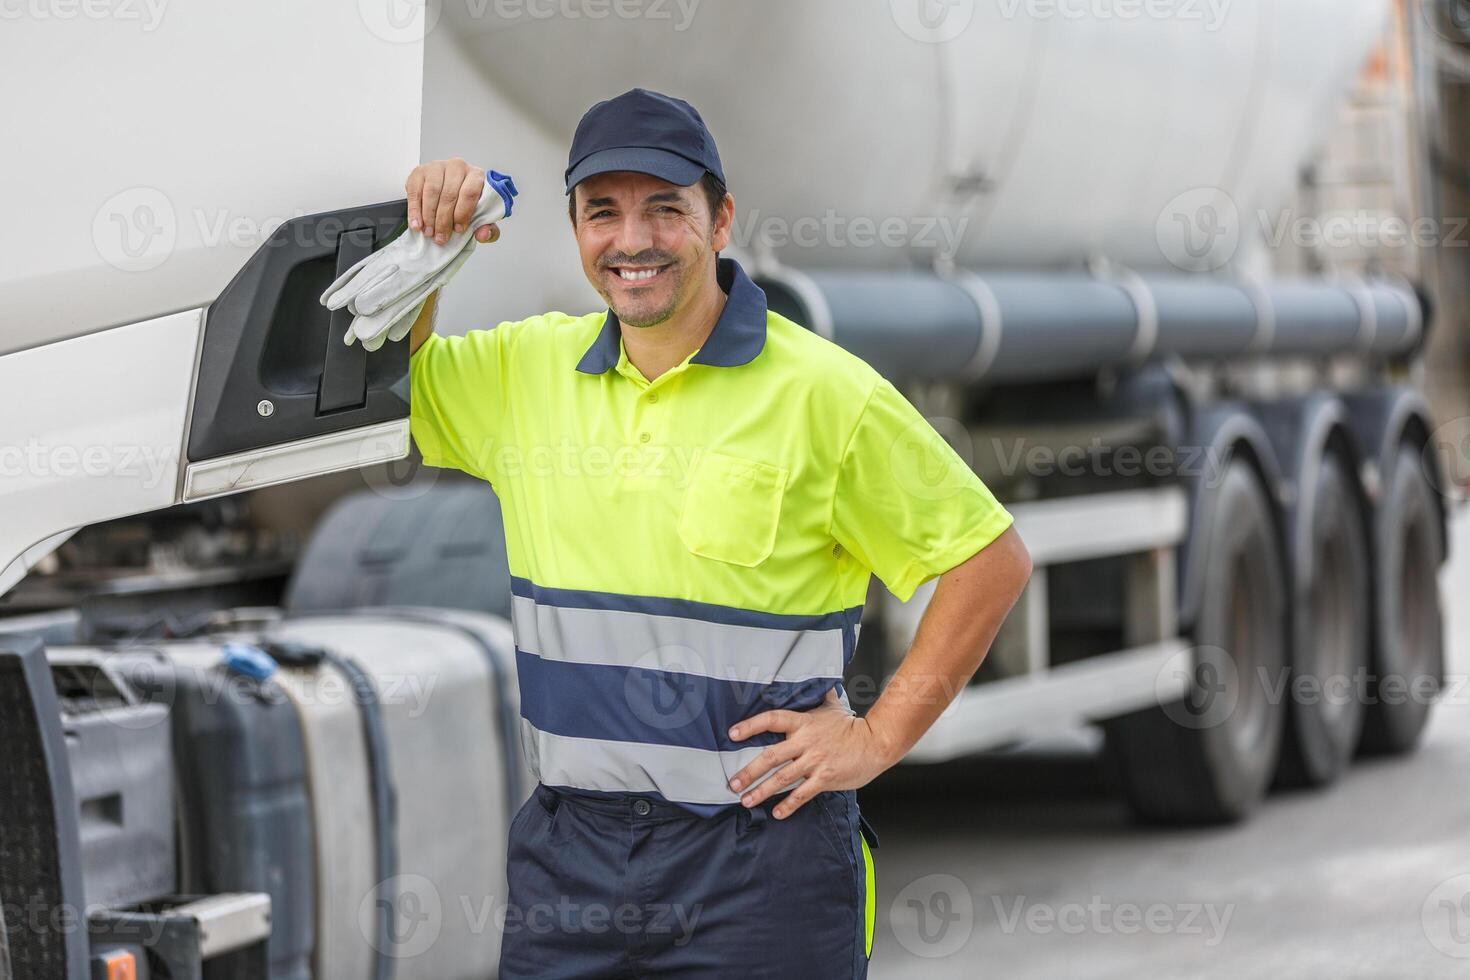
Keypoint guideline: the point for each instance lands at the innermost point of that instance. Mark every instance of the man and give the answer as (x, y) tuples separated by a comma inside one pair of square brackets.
[(696, 491)]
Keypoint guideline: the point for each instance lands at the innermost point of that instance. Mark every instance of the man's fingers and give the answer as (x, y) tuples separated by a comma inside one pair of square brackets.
[(779, 780), (773, 756), (415, 190), (487, 234), (795, 800), (442, 197), (454, 175), (469, 198), (429, 195), (778, 720)]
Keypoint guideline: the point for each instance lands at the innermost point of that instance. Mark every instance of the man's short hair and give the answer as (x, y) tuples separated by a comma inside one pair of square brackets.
[(714, 193)]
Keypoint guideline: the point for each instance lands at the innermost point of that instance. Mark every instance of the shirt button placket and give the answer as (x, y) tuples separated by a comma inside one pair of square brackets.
[(649, 398)]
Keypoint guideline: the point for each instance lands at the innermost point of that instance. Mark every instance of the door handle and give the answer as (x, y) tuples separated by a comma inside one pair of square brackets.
[(344, 368)]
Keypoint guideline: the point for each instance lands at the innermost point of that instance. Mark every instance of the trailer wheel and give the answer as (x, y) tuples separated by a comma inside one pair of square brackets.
[(1332, 627), (1408, 659), (1211, 757)]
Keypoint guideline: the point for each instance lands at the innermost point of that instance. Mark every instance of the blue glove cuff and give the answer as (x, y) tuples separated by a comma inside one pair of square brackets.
[(504, 186)]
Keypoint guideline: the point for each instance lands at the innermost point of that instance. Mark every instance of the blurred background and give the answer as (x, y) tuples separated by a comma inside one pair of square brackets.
[(1187, 282)]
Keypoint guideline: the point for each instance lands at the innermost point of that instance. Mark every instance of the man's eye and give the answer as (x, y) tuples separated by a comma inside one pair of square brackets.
[(601, 214)]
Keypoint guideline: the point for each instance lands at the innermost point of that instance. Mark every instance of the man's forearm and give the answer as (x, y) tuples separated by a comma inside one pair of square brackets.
[(969, 604), (424, 325)]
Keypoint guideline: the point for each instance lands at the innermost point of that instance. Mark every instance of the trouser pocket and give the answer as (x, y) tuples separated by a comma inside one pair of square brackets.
[(869, 834)]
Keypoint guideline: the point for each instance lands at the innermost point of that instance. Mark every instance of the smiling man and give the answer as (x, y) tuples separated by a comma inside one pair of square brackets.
[(696, 492)]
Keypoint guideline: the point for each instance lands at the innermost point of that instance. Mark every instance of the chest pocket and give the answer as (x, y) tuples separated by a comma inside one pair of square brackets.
[(732, 508)]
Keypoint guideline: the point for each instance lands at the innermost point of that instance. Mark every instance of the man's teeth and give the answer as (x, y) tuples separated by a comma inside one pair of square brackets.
[(630, 275)]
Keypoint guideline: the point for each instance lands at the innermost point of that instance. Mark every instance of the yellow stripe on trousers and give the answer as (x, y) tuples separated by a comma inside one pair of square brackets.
[(870, 898)]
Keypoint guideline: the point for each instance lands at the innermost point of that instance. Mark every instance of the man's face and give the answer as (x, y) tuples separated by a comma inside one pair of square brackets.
[(647, 245)]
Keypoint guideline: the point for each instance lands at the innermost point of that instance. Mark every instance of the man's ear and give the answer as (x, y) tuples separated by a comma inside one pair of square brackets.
[(723, 226)]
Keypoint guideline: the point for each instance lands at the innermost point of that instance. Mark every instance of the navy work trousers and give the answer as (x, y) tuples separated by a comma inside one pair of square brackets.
[(630, 887)]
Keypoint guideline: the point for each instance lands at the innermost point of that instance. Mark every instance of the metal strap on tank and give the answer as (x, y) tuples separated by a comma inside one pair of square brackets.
[(808, 292), (1146, 309), (1265, 334), (501, 677), (385, 807), (991, 320), (1367, 311), (1415, 328)]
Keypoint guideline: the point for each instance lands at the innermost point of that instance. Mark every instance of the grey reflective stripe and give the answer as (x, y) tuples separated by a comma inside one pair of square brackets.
[(677, 773), (623, 638)]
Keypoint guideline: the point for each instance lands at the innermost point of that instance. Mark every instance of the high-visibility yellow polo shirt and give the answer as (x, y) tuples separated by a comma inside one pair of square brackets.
[(693, 550)]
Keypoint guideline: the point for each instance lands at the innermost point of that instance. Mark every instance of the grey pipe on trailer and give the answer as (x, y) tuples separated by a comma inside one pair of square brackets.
[(1027, 327)]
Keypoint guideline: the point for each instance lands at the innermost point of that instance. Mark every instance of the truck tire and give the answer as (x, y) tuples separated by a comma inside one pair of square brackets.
[(1408, 654), (1211, 757), (1332, 627)]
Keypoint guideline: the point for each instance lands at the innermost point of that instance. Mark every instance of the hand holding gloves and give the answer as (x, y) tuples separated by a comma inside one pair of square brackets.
[(387, 289)]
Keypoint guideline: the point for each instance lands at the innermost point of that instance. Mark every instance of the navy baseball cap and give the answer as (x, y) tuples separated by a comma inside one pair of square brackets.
[(647, 133)]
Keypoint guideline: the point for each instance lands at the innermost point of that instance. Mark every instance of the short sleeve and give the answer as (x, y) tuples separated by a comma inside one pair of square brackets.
[(905, 503), (458, 399)]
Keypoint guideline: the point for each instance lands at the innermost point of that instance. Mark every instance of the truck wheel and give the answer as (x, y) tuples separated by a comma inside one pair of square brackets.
[(1408, 656), (1332, 627), (1210, 758)]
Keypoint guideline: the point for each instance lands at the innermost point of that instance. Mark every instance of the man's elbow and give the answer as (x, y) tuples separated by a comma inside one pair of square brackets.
[(1018, 560), (1004, 565)]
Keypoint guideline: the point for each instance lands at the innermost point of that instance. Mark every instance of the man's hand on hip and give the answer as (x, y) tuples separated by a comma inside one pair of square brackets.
[(827, 748)]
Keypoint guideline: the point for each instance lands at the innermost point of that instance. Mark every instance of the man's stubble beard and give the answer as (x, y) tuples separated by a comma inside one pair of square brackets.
[(663, 315)]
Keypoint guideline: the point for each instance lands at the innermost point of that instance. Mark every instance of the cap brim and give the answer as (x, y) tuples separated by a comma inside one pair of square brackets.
[(639, 159)]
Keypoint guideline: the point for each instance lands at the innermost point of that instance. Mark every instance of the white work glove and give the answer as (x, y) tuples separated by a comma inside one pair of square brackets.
[(397, 278), (396, 321)]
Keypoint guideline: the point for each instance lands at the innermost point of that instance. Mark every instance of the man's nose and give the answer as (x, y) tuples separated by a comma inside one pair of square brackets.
[(635, 235)]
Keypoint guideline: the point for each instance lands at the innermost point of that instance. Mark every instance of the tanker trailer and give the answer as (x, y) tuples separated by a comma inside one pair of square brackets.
[(1208, 434), (1213, 442)]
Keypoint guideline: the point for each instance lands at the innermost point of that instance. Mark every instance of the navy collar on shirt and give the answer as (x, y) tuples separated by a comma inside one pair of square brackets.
[(738, 336)]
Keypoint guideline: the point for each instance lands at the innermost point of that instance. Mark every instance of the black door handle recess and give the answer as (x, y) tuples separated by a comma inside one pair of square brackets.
[(344, 369)]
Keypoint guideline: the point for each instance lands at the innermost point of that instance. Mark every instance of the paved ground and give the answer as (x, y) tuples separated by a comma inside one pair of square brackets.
[(1026, 866)]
